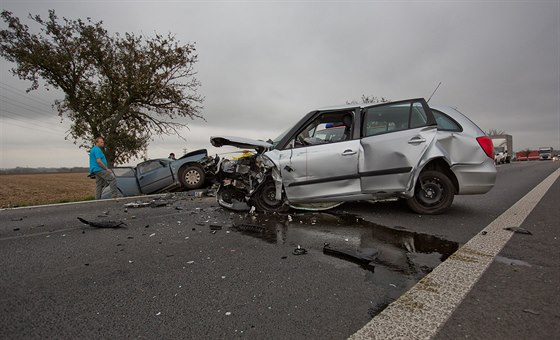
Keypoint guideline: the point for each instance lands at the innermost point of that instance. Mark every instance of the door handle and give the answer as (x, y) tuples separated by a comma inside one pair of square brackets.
[(348, 152), (415, 140)]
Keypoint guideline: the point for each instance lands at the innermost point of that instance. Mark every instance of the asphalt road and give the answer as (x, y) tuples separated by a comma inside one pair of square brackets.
[(168, 274)]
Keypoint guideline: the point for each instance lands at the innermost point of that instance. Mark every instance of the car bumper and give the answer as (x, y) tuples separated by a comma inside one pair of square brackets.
[(475, 179)]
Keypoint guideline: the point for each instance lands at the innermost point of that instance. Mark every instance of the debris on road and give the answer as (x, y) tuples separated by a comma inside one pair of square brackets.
[(103, 224), (363, 257), (299, 251), (215, 227), (137, 204), (251, 228), (17, 219), (531, 311), (519, 230)]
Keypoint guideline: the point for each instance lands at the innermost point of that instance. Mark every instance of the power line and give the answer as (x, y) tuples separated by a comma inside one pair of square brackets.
[(21, 93), (12, 114), (23, 107), (12, 121)]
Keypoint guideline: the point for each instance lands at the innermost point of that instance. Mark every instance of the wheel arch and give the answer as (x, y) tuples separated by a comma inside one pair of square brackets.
[(440, 164)]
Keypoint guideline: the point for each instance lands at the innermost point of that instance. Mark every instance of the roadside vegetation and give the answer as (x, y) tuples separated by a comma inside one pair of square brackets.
[(20, 190)]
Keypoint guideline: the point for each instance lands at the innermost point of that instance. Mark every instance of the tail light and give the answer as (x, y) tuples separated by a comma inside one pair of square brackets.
[(486, 145)]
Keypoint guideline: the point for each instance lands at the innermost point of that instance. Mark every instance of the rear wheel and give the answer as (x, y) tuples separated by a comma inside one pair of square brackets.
[(433, 194), (192, 177)]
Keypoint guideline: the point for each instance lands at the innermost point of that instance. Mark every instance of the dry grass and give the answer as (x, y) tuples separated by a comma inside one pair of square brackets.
[(35, 189)]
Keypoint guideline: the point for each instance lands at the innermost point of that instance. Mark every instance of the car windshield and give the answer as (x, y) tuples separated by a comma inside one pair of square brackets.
[(499, 149), (277, 140)]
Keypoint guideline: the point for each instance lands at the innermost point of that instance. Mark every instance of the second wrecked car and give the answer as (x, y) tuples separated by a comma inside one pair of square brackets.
[(193, 170), (402, 149)]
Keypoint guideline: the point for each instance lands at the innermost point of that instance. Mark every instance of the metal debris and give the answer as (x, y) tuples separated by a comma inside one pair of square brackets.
[(137, 205), (250, 228), (519, 230), (103, 224), (299, 251)]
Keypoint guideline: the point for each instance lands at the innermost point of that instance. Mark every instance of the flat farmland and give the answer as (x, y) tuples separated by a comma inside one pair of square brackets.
[(35, 189)]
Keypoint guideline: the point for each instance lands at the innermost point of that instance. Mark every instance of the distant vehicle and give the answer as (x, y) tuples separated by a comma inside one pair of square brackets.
[(191, 171), (503, 148), (545, 153), (362, 152)]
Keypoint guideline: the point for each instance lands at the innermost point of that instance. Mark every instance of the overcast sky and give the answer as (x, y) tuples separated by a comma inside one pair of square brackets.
[(263, 64)]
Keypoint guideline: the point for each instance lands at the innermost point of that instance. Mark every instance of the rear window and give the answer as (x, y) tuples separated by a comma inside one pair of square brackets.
[(446, 123), (393, 117)]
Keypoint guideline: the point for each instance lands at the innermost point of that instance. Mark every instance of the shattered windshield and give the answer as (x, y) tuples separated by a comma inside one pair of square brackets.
[(277, 140)]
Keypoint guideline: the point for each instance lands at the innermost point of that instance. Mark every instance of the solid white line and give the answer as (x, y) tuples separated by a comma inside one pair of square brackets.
[(420, 312)]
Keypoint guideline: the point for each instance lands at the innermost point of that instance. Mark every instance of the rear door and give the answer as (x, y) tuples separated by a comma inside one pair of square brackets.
[(154, 175), (395, 136)]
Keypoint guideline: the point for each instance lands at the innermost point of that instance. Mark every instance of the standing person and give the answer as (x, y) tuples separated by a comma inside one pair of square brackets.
[(172, 156), (98, 166)]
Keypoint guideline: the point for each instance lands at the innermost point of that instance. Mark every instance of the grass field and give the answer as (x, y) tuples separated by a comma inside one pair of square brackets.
[(36, 189)]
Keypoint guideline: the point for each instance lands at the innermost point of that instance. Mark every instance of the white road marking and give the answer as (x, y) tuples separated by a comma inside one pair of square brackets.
[(420, 312)]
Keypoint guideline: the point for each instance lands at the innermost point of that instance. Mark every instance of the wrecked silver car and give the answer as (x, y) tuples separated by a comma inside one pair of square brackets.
[(402, 149)]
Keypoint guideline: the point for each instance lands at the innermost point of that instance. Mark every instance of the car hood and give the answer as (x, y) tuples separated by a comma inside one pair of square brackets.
[(239, 142)]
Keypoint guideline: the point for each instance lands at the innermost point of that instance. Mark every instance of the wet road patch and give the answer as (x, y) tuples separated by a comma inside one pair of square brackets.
[(391, 257)]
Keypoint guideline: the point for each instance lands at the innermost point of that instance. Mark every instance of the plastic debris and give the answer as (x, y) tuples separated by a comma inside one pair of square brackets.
[(103, 224), (154, 234), (190, 262), (531, 311), (519, 230), (228, 313), (158, 313), (290, 218), (299, 251), (363, 256), (252, 210)]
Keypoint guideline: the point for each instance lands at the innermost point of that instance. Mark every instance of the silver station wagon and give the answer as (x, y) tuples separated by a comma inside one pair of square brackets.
[(404, 149)]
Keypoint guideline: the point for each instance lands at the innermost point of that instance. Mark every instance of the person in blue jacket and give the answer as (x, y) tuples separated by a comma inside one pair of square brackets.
[(98, 167)]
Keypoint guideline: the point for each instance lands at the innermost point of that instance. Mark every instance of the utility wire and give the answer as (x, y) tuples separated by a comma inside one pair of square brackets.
[(15, 116), (22, 93), (23, 107)]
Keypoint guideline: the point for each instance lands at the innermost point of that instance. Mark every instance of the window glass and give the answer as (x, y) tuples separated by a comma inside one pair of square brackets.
[(330, 127), (148, 166), (418, 117), (386, 118), (123, 172), (445, 123)]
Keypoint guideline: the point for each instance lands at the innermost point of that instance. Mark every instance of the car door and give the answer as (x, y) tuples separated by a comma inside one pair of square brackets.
[(395, 136), (319, 166), (154, 175)]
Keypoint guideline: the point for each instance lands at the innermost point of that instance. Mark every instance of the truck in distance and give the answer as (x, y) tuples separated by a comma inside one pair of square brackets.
[(503, 148), (545, 153)]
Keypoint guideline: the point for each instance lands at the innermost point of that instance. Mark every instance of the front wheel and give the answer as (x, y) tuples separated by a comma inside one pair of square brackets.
[(265, 199), (192, 177), (433, 194)]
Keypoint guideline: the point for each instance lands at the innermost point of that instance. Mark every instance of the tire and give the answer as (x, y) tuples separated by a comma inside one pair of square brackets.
[(192, 177), (433, 194), (265, 199)]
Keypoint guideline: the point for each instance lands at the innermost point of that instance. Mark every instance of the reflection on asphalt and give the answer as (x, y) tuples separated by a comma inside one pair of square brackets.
[(402, 257)]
